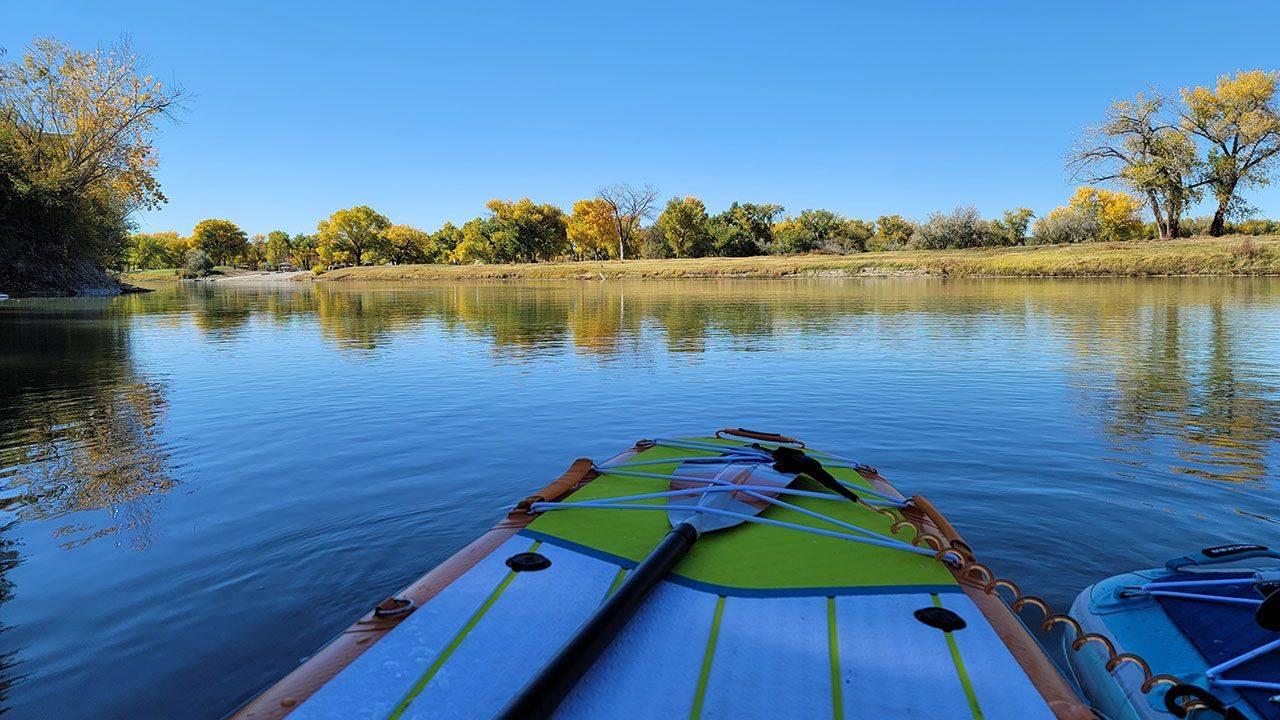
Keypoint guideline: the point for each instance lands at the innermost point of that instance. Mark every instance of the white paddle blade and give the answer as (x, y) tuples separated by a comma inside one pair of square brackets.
[(742, 502)]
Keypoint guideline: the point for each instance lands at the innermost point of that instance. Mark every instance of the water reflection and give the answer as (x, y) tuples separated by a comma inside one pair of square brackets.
[(401, 381), (1158, 362), (79, 426)]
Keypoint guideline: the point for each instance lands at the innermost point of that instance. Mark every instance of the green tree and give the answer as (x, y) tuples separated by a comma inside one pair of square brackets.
[(353, 234), (527, 231), (476, 242), (1239, 119), (1012, 228), (744, 229), (408, 244), (304, 251), (822, 230), (894, 231), (152, 251), (278, 248), (221, 240), (443, 243), (686, 226)]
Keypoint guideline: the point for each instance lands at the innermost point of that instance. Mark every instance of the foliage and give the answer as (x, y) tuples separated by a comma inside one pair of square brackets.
[(76, 154), (153, 251), (352, 234), (592, 230), (961, 228), (1118, 214), (1143, 149), (686, 226), (443, 243), (222, 240), (527, 231), (1065, 225), (821, 230), (197, 264), (408, 245), (475, 243), (277, 248), (1012, 228), (893, 232), (744, 229), (304, 250), (653, 244), (1257, 227), (1239, 119)]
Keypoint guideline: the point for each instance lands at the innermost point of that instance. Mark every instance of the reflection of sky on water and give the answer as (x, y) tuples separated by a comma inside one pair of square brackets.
[(218, 478)]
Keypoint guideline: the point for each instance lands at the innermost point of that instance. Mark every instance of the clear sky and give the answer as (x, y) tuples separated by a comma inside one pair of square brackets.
[(427, 110)]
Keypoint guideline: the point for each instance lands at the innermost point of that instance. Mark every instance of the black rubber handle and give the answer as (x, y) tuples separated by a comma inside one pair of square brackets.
[(540, 697)]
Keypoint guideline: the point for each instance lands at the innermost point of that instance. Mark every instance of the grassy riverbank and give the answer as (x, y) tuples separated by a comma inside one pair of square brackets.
[(1195, 256)]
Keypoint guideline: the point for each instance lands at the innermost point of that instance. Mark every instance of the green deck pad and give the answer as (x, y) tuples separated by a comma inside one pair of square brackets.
[(749, 556)]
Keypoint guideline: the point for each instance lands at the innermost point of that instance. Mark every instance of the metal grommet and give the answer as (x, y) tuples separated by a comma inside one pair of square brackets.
[(528, 562), (393, 606), (940, 618)]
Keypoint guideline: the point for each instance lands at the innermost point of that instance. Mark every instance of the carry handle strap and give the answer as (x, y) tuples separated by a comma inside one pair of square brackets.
[(1222, 554), (757, 435)]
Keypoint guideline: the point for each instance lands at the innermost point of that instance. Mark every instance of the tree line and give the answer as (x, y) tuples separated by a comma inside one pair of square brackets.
[(525, 231)]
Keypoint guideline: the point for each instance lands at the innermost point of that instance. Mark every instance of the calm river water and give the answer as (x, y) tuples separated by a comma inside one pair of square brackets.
[(200, 485)]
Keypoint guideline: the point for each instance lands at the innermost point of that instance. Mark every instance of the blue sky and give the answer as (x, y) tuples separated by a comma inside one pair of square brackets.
[(427, 110)]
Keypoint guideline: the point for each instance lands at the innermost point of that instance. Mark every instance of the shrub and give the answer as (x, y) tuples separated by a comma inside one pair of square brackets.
[(821, 230), (961, 228), (1065, 225), (653, 244), (197, 264), (1256, 227), (1012, 229)]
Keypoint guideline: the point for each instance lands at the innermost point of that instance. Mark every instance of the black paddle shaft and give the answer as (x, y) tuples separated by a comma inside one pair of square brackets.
[(540, 697)]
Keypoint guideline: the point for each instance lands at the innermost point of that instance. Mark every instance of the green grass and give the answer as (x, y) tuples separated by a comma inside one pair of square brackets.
[(1145, 258), (163, 275)]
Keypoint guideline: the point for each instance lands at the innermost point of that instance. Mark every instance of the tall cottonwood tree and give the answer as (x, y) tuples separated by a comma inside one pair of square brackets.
[(1140, 146), (1239, 119), (354, 232), (631, 206), (76, 144)]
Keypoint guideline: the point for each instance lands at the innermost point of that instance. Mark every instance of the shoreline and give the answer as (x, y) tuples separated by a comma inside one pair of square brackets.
[(1239, 256), (1233, 256)]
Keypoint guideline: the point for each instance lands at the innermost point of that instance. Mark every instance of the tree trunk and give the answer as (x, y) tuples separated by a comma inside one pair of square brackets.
[(1219, 226), (1161, 227)]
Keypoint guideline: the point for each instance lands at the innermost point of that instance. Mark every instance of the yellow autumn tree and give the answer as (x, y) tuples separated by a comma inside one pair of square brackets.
[(593, 233), (1239, 120), (1118, 214)]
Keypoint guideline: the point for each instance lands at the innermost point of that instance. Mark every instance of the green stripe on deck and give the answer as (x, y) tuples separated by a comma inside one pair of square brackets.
[(969, 695), (448, 650), (833, 648), (749, 556), (700, 692)]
